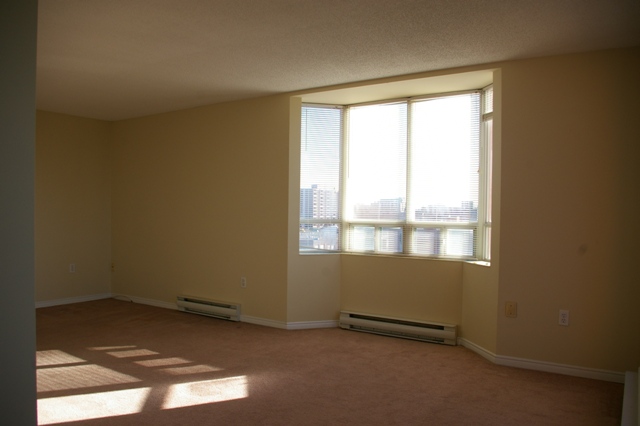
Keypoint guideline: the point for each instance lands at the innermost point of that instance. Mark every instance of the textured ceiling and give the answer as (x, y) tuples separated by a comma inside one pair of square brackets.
[(120, 59)]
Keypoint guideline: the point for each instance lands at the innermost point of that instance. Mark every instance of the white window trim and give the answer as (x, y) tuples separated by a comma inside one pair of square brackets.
[(482, 226)]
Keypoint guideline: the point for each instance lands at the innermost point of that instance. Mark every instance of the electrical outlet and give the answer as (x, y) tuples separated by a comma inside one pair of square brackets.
[(511, 309), (243, 282), (563, 318)]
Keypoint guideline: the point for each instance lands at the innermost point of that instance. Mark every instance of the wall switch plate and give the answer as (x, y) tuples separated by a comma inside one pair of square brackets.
[(72, 267), (563, 318), (511, 309)]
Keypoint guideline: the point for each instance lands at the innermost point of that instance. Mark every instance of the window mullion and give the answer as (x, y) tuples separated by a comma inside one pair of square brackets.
[(482, 183), (344, 177), (485, 178), (407, 236)]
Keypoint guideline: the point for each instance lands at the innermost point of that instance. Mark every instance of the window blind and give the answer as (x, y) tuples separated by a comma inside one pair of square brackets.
[(444, 159), (406, 177), (376, 170), (320, 153)]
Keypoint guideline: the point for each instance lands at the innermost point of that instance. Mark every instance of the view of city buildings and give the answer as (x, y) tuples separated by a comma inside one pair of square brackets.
[(316, 203)]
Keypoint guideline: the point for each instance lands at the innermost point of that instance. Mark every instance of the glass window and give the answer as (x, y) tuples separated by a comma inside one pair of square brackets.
[(410, 177)]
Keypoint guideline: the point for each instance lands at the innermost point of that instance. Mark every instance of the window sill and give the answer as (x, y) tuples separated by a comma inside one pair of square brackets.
[(479, 262), (445, 259)]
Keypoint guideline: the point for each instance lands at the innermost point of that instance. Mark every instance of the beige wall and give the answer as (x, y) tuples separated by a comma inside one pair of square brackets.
[(403, 287), (480, 311), (200, 199), (570, 185), (73, 206), (314, 288), (204, 196)]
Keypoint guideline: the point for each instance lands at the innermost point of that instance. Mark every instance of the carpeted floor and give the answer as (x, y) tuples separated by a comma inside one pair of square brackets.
[(110, 362)]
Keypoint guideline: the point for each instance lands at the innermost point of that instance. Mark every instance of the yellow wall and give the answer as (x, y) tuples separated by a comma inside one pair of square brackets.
[(479, 323), (570, 198), (204, 196), (402, 287), (200, 199), (73, 206)]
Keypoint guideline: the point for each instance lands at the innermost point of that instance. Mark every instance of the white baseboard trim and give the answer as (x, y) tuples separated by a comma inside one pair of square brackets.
[(548, 367), (569, 370), (143, 301), (301, 325), (488, 355), (70, 300), (307, 325), (263, 321)]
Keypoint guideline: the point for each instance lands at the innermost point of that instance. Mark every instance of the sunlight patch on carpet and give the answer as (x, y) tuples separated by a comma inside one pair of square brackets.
[(79, 376), (132, 353), (162, 362), (190, 369), (91, 406), (55, 357), (110, 348), (205, 392)]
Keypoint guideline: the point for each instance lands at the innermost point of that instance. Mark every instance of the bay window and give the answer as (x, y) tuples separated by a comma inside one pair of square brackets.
[(404, 177)]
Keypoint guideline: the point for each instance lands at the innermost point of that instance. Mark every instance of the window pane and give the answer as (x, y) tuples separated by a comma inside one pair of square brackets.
[(445, 159), (318, 203), (319, 236), (376, 174), (488, 128), (426, 241), (362, 238), (488, 100), (391, 240), (459, 242), (320, 163), (416, 163)]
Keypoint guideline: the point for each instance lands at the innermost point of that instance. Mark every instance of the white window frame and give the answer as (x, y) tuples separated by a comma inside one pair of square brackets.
[(482, 229)]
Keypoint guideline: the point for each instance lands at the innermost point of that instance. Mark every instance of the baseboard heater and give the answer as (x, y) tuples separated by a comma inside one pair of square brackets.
[(408, 329), (211, 308)]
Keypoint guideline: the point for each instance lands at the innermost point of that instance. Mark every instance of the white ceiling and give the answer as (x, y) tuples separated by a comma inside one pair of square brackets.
[(120, 59)]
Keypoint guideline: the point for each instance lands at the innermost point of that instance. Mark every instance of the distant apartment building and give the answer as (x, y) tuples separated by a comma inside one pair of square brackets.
[(318, 203), (385, 209)]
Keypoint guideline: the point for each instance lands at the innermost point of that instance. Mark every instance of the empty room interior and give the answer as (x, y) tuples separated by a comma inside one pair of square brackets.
[(158, 154)]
